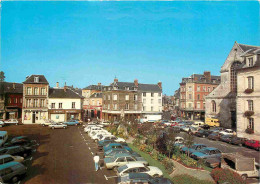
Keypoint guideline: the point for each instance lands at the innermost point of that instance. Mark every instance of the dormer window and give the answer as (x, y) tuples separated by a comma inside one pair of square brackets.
[(135, 88), (126, 88), (36, 79), (115, 87), (250, 61)]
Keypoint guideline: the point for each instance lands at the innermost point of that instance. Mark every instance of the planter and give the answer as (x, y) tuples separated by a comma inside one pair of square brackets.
[(249, 131), (248, 91), (249, 113)]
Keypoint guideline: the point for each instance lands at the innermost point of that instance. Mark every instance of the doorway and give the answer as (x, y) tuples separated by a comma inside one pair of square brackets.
[(33, 117)]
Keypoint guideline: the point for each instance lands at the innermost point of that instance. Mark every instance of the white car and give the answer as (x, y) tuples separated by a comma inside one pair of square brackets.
[(93, 134), (114, 138), (105, 123), (57, 125), (198, 124), (100, 135), (95, 129), (89, 128), (139, 168), (47, 122), (227, 132), (179, 140), (12, 121), (2, 123)]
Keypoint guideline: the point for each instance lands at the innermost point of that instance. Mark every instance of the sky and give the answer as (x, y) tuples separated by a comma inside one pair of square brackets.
[(83, 43)]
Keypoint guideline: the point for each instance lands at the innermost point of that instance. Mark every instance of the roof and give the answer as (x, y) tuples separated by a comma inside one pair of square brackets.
[(141, 87), (30, 80), (200, 78), (248, 47), (96, 95), (4, 156), (134, 164), (61, 93), (94, 87), (11, 87), (9, 164)]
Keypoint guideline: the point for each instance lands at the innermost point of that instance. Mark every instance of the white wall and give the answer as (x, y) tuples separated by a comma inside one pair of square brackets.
[(66, 103), (157, 107)]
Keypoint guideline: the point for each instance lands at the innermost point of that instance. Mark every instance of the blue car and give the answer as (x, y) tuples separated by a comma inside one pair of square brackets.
[(72, 122), (194, 148), (116, 145), (206, 153), (113, 152)]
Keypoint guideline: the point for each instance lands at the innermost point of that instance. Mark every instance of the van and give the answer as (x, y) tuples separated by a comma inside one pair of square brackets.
[(3, 137), (212, 122)]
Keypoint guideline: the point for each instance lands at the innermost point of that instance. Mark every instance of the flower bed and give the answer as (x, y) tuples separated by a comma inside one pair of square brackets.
[(226, 176)]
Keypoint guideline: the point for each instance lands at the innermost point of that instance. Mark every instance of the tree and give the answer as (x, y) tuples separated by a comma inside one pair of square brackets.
[(189, 140), (170, 139), (2, 76)]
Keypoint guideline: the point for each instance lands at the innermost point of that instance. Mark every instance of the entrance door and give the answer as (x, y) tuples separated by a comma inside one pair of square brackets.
[(33, 117)]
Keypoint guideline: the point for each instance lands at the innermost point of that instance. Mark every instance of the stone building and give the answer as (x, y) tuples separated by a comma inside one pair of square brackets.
[(248, 95), (193, 91), (221, 103), (35, 99)]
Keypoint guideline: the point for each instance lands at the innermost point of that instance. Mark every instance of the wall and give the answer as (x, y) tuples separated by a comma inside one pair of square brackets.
[(66, 103)]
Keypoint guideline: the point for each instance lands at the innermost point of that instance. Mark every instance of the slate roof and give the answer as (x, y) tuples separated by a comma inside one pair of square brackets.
[(141, 87), (96, 95), (8, 87), (248, 47), (94, 87), (201, 79), (77, 90), (60, 93), (252, 51), (30, 80)]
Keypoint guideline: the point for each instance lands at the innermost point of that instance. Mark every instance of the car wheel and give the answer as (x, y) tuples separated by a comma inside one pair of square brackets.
[(52, 127), (64, 127), (244, 177), (15, 179)]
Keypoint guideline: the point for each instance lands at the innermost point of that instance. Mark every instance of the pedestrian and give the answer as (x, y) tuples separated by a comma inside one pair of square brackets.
[(96, 160)]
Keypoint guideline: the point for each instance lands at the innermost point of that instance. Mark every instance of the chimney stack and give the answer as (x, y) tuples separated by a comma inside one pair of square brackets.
[(99, 84), (57, 84), (207, 76), (136, 82), (14, 85), (115, 80), (160, 84), (65, 88)]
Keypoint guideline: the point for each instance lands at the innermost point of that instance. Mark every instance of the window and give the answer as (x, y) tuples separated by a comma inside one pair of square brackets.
[(36, 79), (36, 91), (250, 82), (53, 105), (9, 100), (251, 123), (233, 76), (43, 91), (60, 105), (93, 102), (115, 106), (152, 94), (144, 101), (126, 97), (104, 97), (151, 108), (108, 106), (198, 97), (29, 91), (159, 94), (190, 105), (127, 106), (35, 103), (144, 108), (28, 102), (151, 101), (73, 105), (190, 96), (135, 97), (213, 106), (129, 159), (198, 105), (42, 103), (204, 88), (108, 97), (126, 88), (190, 88), (250, 105), (121, 159), (198, 88), (21, 100), (208, 89), (250, 61), (159, 101), (144, 93), (16, 100), (98, 102), (114, 97), (135, 106)]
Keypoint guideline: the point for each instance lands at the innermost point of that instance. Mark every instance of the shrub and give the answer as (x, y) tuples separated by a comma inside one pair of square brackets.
[(160, 156), (249, 131), (226, 175), (142, 147), (168, 164)]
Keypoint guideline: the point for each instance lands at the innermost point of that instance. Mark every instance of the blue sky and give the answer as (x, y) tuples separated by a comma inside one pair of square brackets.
[(84, 43)]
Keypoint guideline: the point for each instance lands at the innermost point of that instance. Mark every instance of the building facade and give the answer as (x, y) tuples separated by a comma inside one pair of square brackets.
[(11, 100), (64, 104), (221, 103), (131, 101), (248, 95), (193, 91), (35, 99)]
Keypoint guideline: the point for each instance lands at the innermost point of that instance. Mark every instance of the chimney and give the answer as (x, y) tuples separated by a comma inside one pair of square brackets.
[(160, 84), (14, 85), (57, 84), (115, 80), (99, 84), (195, 78), (136, 82), (207, 76), (65, 88)]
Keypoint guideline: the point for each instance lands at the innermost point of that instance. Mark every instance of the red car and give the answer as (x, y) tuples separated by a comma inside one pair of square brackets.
[(253, 144)]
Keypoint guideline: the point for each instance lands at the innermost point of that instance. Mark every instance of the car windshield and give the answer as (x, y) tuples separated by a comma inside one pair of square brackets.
[(205, 151), (120, 169), (194, 147)]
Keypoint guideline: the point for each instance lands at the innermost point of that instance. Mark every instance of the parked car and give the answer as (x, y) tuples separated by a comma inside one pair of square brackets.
[(193, 148), (21, 141), (57, 125), (139, 168), (253, 144), (122, 159), (105, 123), (202, 133), (9, 158), (134, 178), (197, 124), (212, 122), (238, 141), (17, 151), (217, 129), (116, 145), (214, 136), (103, 143), (227, 132), (226, 138), (205, 153), (205, 127), (72, 122), (2, 123), (11, 122), (113, 152), (3, 137), (12, 172), (47, 122), (179, 140)]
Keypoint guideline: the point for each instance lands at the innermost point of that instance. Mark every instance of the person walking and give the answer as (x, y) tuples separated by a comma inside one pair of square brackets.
[(96, 160)]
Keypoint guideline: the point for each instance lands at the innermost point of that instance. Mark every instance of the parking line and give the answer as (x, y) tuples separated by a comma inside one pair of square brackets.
[(105, 177), (92, 153), (89, 148)]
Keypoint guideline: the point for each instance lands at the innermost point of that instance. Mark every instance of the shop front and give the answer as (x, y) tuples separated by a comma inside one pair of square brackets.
[(63, 115), (34, 116)]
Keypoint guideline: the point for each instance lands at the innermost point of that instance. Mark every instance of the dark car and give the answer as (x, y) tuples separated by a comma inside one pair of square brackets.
[(205, 127), (12, 172), (214, 136), (21, 141), (139, 178), (22, 151), (226, 138), (103, 143), (238, 141), (202, 133)]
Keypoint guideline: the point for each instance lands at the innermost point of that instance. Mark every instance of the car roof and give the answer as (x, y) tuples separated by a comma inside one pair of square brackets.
[(199, 144), (4, 156), (11, 147), (9, 164), (3, 132), (210, 148), (122, 155), (131, 165)]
